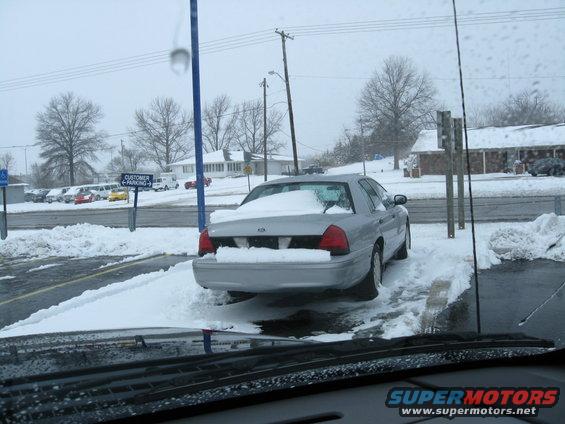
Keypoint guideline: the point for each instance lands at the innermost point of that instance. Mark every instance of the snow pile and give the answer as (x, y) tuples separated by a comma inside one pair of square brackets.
[(542, 238), (299, 202), (86, 240), (265, 255), (162, 298)]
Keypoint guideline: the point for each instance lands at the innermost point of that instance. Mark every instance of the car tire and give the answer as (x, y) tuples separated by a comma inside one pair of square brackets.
[(239, 296), (552, 171), (368, 289), (402, 253)]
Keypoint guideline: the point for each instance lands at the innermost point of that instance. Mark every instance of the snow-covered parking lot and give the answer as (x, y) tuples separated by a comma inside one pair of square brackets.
[(172, 298), (230, 191)]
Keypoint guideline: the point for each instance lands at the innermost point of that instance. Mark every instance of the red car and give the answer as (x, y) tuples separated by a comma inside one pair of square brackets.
[(85, 197), (192, 183)]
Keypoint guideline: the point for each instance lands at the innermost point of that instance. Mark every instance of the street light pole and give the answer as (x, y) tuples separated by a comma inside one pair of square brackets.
[(289, 99), (264, 84), (197, 115)]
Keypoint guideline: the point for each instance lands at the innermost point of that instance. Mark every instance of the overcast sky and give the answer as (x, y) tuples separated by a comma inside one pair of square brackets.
[(48, 35)]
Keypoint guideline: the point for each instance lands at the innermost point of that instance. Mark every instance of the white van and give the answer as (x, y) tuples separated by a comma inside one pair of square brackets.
[(166, 181), (103, 190)]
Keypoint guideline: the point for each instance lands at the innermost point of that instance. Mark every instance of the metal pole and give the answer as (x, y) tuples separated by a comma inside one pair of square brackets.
[(25, 159), (289, 100), (446, 138), (5, 214), (265, 127), (362, 146), (134, 216), (458, 135), (197, 115)]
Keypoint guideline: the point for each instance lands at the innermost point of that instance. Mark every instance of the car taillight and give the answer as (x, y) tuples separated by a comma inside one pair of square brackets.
[(205, 244), (335, 240)]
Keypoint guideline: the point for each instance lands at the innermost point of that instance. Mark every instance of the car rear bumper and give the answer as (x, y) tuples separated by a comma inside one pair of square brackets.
[(340, 272)]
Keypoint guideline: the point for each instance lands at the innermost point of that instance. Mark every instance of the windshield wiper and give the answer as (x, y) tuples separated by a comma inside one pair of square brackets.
[(256, 365)]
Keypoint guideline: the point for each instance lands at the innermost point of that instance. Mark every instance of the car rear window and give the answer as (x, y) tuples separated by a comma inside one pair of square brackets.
[(328, 193)]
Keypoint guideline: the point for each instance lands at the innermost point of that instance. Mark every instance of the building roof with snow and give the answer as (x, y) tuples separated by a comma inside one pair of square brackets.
[(224, 155), (496, 138)]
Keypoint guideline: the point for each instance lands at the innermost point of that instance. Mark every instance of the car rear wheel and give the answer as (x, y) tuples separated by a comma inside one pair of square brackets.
[(402, 253), (368, 289), (239, 296)]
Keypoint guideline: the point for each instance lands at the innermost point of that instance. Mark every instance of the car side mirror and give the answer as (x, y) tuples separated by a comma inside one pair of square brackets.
[(400, 199)]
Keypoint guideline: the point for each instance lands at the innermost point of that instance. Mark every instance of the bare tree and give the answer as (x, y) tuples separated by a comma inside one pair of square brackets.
[(397, 103), (7, 161), (525, 108), (219, 124), (249, 130), (41, 176), (66, 132), (162, 131), (130, 161)]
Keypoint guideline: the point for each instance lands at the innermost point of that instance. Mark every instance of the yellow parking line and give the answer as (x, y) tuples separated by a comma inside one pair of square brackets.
[(78, 280)]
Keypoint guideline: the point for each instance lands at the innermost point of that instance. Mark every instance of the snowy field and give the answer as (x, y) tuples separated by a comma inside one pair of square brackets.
[(230, 191), (172, 298), (433, 186)]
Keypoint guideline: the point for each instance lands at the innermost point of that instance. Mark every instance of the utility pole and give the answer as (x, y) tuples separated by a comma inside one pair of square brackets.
[(264, 84), (458, 137), (362, 145), (122, 146), (289, 99), (445, 142)]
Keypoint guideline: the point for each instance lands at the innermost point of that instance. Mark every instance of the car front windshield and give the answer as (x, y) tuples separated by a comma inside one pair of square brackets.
[(181, 181)]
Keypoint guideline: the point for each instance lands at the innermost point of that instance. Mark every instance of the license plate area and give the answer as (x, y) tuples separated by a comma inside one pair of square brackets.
[(263, 241)]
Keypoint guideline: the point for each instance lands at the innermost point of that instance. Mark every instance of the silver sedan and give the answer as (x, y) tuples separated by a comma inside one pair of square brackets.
[(369, 229)]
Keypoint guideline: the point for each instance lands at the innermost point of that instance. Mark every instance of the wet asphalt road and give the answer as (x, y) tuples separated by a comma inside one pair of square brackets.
[(508, 293), (33, 289), (487, 209)]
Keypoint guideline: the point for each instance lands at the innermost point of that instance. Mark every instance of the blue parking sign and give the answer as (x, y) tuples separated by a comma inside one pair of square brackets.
[(3, 177)]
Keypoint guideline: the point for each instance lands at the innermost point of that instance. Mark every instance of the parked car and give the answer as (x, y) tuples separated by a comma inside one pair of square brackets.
[(71, 193), (120, 193), (548, 166), (191, 183), (165, 183), (56, 194), (313, 169), (360, 242), (28, 195), (39, 195), (103, 190), (85, 196)]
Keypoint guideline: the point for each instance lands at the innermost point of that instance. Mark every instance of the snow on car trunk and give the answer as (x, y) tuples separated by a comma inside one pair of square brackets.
[(263, 255), (293, 203)]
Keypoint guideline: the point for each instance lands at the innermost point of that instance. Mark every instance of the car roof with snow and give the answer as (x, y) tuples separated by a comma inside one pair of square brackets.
[(343, 178)]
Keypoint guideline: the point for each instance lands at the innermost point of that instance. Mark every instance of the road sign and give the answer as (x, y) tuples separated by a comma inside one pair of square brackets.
[(136, 180), (247, 169), (3, 177)]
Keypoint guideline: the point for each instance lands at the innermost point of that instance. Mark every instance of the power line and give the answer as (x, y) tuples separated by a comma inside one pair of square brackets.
[(264, 36), (433, 78)]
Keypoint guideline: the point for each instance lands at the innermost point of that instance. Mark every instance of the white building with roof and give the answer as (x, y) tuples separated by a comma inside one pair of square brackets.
[(494, 149), (228, 163)]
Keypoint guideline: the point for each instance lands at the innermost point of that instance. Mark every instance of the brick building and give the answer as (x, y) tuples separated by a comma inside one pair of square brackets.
[(494, 149)]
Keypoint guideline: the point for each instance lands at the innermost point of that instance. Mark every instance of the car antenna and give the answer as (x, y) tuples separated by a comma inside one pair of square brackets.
[(475, 267), (531, 314)]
